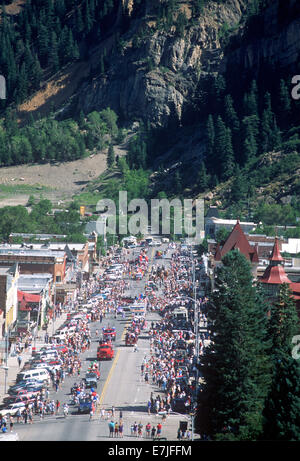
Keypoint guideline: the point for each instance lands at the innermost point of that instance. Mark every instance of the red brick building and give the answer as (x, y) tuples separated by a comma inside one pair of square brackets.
[(31, 261)]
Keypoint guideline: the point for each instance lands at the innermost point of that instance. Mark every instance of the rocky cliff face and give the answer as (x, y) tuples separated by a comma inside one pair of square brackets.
[(155, 74), (278, 41)]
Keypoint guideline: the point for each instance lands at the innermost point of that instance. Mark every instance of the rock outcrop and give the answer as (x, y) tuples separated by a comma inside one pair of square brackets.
[(278, 40), (153, 74), (156, 73)]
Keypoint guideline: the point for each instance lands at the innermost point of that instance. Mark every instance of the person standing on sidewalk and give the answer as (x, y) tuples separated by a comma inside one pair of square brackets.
[(158, 427), (111, 427), (19, 358)]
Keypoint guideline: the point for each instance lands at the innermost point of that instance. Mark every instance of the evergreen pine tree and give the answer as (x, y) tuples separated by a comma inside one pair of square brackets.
[(228, 163), (53, 59), (36, 73), (79, 22), (284, 105), (43, 41), (282, 406), (223, 151), (250, 129), (88, 20), (110, 156), (210, 134), (235, 367), (203, 178), (266, 124), (22, 85), (218, 93), (239, 185), (230, 116)]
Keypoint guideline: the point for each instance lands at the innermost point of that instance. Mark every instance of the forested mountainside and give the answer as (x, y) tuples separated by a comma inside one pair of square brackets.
[(208, 81)]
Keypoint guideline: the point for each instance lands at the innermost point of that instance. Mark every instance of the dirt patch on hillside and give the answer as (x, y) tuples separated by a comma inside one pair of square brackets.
[(55, 92), (62, 180)]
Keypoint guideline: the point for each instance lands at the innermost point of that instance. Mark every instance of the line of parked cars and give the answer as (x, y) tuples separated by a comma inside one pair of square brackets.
[(35, 376)]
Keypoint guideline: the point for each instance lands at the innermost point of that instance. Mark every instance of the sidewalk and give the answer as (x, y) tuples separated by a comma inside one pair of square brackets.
[(12, 363)]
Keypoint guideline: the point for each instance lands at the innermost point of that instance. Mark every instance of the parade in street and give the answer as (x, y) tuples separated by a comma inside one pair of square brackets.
[(123, 358)]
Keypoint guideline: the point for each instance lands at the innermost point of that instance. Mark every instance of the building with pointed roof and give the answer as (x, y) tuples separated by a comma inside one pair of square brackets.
[(275, 275), (237, 240)]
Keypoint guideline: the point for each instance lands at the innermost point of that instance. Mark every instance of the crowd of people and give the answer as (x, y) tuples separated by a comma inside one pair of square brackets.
[(170, 366)]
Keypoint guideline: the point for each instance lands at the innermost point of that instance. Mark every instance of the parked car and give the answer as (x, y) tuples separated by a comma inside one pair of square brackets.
[(11, 410), (41, 375), (22, 393), (47, 366), (61, 348), (29, 385)]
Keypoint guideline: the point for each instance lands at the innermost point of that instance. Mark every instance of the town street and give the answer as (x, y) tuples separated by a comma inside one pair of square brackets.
[(120, 386)]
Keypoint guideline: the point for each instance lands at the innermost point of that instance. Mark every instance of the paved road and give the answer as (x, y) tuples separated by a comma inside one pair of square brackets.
[(120, 385)]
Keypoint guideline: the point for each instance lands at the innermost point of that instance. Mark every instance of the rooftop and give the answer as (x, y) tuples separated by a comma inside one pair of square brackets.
[(232, 222), (12, 250), (237, 240)]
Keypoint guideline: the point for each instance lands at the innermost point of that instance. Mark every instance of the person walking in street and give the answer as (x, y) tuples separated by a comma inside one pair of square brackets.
[(19, 416), (25, 415), (30, 416), (149, 405), (57, 406)]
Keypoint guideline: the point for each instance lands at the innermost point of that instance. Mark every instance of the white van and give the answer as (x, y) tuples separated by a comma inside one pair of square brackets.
[(63, 333), (40, 375)]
